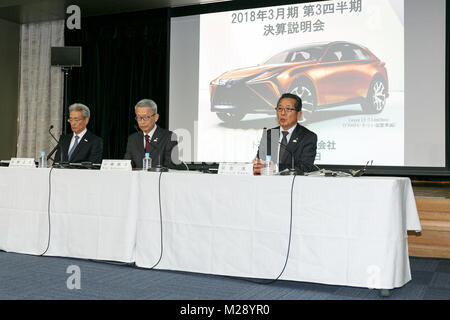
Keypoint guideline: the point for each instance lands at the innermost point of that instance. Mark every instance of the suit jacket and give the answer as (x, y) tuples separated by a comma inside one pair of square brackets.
[(163, 149), (89, 149), (302, 144)]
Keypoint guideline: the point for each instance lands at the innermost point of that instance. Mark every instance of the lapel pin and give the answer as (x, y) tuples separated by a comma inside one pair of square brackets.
[(85, 140), (155, 140)]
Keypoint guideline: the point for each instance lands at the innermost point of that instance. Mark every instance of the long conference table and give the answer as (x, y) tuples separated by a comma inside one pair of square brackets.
[(334, 230)]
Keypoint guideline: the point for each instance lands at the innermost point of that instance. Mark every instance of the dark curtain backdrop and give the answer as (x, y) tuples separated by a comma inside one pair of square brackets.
[(124, 59)]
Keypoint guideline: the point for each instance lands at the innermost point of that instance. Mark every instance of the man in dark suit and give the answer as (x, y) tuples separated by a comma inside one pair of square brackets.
[(298, 140), (161, 144), (81, 145)]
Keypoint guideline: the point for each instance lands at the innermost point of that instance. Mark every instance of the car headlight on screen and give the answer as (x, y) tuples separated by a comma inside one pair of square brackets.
[(264, 76), (225, 81)]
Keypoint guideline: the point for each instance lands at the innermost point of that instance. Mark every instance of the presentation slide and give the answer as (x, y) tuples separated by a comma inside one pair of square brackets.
[(347, 60)]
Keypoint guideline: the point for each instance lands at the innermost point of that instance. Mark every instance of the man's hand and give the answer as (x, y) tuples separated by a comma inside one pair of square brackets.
[(257, 166)]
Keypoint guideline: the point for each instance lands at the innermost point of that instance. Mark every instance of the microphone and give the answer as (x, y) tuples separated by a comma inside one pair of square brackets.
[(360, 172), (158, 167), (326, 173), (50, 131), (291, 171), (57, 144), (268, 134)]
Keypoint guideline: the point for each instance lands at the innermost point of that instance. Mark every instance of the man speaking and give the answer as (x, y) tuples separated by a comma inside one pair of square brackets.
[(288, 140), (81, 145)]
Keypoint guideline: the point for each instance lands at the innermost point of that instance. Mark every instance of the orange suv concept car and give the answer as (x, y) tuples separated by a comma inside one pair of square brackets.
[(322, 74)]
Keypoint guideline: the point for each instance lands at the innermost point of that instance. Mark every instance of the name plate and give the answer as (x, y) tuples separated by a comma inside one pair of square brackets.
[(22, 163), (108, 164), (236, 168)]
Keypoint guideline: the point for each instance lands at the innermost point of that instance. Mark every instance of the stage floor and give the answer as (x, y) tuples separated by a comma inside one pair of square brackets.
[(431, 190)]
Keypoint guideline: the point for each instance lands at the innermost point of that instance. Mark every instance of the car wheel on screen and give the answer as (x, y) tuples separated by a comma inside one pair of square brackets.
[(306, 91), (230, 116), (376, 97)]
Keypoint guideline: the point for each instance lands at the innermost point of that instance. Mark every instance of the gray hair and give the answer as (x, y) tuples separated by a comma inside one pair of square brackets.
[(147, 103), (80, 107)]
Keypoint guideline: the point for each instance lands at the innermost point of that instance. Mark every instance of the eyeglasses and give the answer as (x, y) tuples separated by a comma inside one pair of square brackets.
[(287, 110), (145, 118), (74, 120)]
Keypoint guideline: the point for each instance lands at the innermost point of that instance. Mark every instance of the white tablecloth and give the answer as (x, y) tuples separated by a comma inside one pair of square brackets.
[(345, 231), (23, 210), (92, 214)]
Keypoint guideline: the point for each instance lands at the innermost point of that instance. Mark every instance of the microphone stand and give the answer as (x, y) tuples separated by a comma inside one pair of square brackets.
[(65, 70), (158, 167), (52, 152), (50, 131), (57, 143), (291, 171), (360, 172)]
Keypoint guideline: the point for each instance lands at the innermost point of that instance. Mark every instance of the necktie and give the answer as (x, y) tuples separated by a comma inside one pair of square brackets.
[(147, 142), (74, 146), (284, 142)]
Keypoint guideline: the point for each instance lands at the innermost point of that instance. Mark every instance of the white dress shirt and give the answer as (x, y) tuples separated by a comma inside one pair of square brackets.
[(288, 137), (150, 134), (80, 135)]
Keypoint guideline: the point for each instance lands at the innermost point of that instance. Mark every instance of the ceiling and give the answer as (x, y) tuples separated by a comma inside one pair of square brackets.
[(27, 11)]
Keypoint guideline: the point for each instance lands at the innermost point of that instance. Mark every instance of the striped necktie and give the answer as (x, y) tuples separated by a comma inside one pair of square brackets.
[(74, 146)]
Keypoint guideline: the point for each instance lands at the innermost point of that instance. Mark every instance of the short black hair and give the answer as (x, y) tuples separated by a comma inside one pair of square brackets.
[(298, 100)]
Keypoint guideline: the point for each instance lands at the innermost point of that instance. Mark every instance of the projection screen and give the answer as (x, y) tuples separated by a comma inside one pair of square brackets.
[(371, 74)]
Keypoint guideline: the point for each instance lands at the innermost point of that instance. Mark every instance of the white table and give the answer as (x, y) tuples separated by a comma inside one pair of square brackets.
[(345, 231), (23, 210), (92, 214)]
